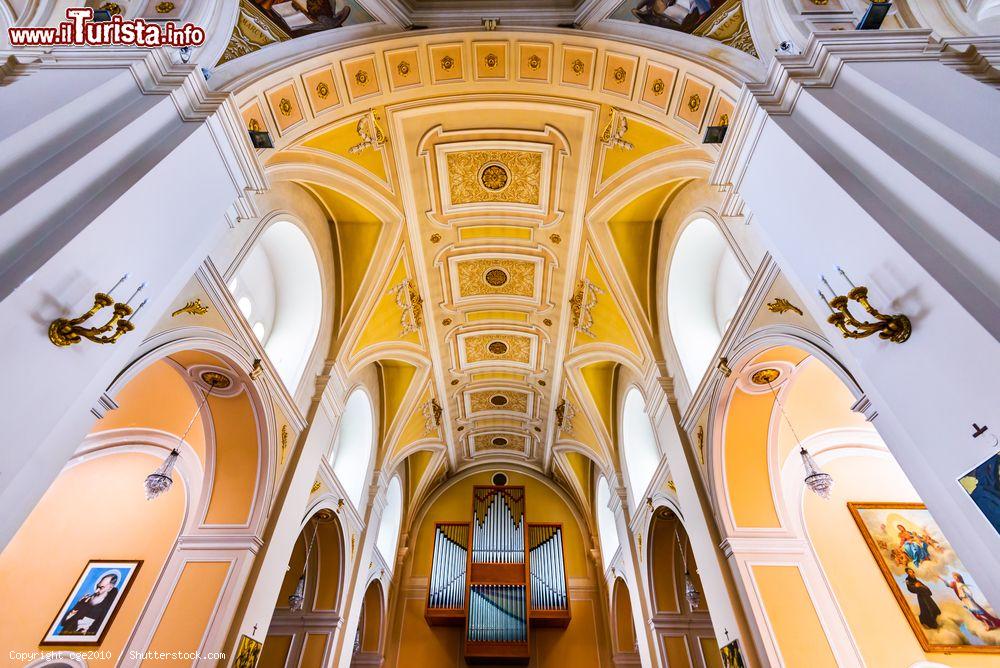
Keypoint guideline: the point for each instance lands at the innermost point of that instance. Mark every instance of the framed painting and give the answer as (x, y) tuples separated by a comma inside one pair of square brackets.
[(92, 604), (731, 655), (939, 598), (983, 485), (247, 653)]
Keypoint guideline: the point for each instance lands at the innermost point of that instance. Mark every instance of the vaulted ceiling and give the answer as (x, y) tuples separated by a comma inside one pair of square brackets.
[(495, 204)]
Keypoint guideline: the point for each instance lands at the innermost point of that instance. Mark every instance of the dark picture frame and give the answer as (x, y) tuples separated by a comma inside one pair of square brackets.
[(93, 573)]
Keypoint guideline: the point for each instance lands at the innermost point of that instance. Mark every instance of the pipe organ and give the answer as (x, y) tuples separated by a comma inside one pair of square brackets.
[(498, 576)]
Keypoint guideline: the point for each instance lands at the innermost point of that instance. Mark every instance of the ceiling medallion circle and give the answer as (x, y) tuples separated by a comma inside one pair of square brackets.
[(497, 348), (496, 277), (494, 176), (499, 441), (499, 479), (765, 376), (498, 400), (216, 380)]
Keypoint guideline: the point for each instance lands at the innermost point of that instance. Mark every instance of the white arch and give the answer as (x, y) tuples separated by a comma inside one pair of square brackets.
[(388, 530), (353, 449), (607, 529), (704, 287), (279, 289), (638, 445)]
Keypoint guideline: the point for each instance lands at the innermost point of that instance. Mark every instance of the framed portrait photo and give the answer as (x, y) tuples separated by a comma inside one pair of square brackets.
[(942, 603), (92, 603)]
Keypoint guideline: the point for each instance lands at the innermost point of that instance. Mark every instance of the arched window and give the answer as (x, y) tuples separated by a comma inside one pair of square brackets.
[(705, 286), (355, 441), (639, 444), (279, 292), (388, 530), (607, 531)]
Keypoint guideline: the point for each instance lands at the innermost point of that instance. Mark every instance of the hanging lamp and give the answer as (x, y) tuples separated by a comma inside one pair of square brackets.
[(159, 481), (817, 480), (298, 597), (691, 593)]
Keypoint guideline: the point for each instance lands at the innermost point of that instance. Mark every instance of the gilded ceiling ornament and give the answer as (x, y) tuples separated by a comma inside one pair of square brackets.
[(253, 31), (694, 102), (494, 176), (315, 487), (411, 304), (431, 411), (284, 442), (165, 7), (565, 412), (724, 119), (672, 485), (194, 307), (112, 8), (658, 86), (577, 66), (498, 347), (285, 106), (497, 441), (701, 444), (582, 304), (765, 377), (403, 68), (782, 305), (555, 238), (619, 74), (446, 322), (435, 238), (541, 382), (253, 125), (820, 2), (447, 63), (613, 135), (502, 276), (361, 76), (534, 61), (491, 400), (323, 90), (454, 381), (547, 322), (370, 132), (491, 60)]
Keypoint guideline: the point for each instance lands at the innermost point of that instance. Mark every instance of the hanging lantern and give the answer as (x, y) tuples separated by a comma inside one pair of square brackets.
[(298, 597), (691, 593), (159, 481), (816, 480)]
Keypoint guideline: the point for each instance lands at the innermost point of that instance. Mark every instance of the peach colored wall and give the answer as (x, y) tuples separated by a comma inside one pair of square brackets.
[(192, 602), (275, 651), (312, 655), (236, 459), (96, 510), (801, 639), (747, 475)]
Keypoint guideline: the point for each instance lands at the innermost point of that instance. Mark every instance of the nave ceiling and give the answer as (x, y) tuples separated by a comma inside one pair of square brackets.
[(494, 204)]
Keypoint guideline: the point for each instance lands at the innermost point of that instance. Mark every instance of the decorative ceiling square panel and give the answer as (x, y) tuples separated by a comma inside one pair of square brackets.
[(447, 63), (693, 102), (285, 107), (499, 441), (658, 86), (496, 276), (361, 77), (482, 401), (321, 90), (500, 348), (404, 68), (534, 62), (578, 66), (619, 74), (481, 175), (491, 60), (253, 117)]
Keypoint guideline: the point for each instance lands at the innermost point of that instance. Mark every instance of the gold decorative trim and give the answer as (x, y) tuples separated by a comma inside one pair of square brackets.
[(411, 304), (582, 303), (371, 133), (194, 307), (782, 305), (481, 277), (613, 135), (494, 176)]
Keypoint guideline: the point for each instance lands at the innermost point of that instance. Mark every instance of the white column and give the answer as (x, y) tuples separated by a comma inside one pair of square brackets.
[(358, 575), (264, 586), (633, 578), (720, 591), (111, 162), (872, 152)]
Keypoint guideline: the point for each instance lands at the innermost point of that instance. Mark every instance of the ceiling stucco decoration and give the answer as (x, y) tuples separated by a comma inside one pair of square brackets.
[(498, 400), (497, 348), (499, 441), (494, 176), (500, 276)]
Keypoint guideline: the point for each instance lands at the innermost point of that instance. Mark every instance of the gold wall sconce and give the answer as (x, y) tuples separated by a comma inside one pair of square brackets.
[(66, 332), (895, 328)]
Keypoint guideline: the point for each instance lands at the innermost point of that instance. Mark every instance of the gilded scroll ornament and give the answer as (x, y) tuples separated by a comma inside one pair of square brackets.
[(194, 307), (371, 133), (565, 412), (782, 305), (411, 304), (582, 304), (431, 411), (613, 135)]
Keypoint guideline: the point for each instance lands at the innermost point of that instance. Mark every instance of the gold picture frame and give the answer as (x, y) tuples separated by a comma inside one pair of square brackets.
[(248, 652), (917, 562)]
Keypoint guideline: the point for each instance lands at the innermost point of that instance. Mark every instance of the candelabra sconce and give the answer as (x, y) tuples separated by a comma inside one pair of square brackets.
[(895, 328), (65, 332)]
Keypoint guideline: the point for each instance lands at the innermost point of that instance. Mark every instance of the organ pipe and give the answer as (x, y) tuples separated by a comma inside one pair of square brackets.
[(448, 570), (548, 571)]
